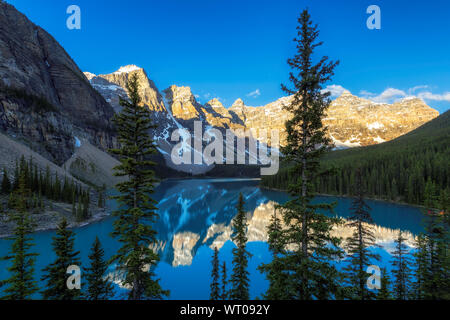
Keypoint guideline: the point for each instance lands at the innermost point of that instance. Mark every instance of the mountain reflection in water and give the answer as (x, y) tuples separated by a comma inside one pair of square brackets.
[(195, 216)]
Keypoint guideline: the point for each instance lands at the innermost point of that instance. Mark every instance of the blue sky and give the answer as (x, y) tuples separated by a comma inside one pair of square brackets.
[(238, 49)]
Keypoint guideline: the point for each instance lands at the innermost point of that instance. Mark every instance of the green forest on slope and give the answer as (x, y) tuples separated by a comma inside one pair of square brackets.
[(413, 168)]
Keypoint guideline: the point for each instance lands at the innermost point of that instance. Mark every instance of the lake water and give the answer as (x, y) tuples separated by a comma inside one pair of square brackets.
[(195, 216)]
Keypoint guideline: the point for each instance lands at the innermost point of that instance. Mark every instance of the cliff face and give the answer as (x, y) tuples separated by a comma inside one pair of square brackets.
[(351, 121), (186, 109), (354, 121), (44, 96), (117, 81)]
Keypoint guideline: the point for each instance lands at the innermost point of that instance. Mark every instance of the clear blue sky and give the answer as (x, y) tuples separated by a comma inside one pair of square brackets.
[(229, 49)]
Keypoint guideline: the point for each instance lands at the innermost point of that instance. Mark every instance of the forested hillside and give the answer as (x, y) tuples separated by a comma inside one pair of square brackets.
[(413, 168)]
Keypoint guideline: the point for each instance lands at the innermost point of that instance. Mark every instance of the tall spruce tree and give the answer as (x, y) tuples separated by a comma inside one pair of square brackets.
[(279, 285), (437, 279), (55, 274), (137, 211), (240, 275), (99, 287), (6, 184), (224, 293), (215, 289), (401, 270), (21, 284), (384, 292), (359, 254), (312, 272), (421, 268)]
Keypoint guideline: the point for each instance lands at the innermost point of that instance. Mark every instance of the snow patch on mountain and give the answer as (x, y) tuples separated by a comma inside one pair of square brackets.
[(375, 125), (127, 69)]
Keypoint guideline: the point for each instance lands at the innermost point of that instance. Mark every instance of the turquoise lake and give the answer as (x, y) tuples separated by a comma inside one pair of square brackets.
[(195, 216)]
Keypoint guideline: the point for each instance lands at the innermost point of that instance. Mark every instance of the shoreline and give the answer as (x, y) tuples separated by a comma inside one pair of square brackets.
[(101, 213), (349, 196), (50, 222)]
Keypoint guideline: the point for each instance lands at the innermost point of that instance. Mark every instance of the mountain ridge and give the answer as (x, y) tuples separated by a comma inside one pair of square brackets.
[(352, 120)]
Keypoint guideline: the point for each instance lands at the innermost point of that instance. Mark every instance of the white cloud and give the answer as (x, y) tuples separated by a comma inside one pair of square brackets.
[(254, 94), (427, 95), (416, 88), (366, 93), (335, 90), (389, 95)]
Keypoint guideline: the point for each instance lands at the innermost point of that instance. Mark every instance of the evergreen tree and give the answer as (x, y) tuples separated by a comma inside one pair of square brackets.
[(279, 283), (421, 268), (6, 184), (384, 292), (312, 273), (215, 290), (360, 256), (437, 280), (240, 276), (224, 295), (79, 212), (85, 214), (21, 284), (16, 176), (55, 274), (99, 288), (137, 211), (401, 270), (100, 200), (74, 209)]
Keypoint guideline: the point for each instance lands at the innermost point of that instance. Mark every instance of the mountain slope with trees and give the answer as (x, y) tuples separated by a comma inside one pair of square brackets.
[(413, 168)]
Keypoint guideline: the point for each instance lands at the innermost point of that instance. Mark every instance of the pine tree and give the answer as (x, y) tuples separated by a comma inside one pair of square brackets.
[(401, 270), (100, 199), (359, 254), (437, 280), (215, 290), (85, 214), (137, 210), (55, 274), (314, 276), (74, 209), (16, 176), (99, 288), (384, 292), (240, 276), (21, 284), (79, 212), (224, 294), (279, 281), (421, 268), (6, 184)]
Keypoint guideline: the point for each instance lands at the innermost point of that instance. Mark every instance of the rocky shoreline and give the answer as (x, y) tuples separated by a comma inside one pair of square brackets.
[(49, 219)]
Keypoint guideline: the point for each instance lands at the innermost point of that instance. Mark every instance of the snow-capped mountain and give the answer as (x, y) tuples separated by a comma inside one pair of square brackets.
[(352, 121)]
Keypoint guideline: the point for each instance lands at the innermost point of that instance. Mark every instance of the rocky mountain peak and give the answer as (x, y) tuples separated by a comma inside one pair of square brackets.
[(34, 67), (89, 75), (347, 93), (113, 85), (215, 103), (239, 103), (182, 102), (128, 69)]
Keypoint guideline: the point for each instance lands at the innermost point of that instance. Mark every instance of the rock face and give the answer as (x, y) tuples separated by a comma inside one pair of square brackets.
[(352, 121), (44, 97), (117, 81)]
